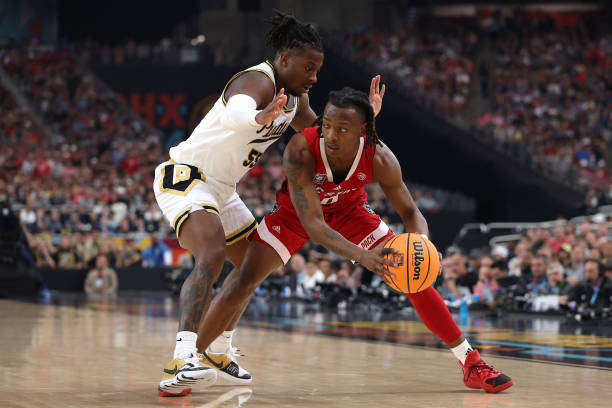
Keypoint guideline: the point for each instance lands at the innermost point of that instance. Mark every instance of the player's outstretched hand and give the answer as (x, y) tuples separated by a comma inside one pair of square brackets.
[(376, 262), (273, 110), (376, 94)]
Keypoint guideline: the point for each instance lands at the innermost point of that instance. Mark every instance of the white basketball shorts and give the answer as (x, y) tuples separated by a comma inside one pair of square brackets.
[(181, 189)]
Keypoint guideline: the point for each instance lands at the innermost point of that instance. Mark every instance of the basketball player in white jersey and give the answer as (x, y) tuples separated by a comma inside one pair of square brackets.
[(196, 188)]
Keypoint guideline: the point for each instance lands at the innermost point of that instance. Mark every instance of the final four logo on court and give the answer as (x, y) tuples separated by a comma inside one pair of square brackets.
[(319, 178)]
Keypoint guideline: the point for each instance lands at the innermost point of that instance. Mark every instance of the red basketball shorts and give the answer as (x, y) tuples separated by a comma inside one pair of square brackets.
[(283, 232)]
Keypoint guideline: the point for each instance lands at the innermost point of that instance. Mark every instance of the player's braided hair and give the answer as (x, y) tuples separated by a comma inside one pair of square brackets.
[(348, 97), (287, 32)]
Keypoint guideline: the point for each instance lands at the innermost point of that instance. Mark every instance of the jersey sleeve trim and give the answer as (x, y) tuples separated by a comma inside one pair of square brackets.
[(240, 73), (295, 105)]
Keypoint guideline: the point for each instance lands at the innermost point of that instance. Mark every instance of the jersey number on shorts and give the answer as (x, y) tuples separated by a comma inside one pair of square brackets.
[(254, 155), (180, 178)]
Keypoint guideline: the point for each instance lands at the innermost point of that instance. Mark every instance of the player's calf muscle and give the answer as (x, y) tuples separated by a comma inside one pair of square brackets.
[(238, 287), (194, 296)]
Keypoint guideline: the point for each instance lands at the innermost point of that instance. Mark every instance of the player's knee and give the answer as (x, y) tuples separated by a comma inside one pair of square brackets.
[(213, 255), (241, 287), (248, 289)]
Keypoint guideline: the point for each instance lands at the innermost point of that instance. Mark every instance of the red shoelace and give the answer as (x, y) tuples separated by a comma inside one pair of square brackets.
[(481, 367)]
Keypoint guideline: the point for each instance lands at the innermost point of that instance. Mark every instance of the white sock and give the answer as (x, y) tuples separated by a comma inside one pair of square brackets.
[(222, 343), (185, 343), (461, 351)]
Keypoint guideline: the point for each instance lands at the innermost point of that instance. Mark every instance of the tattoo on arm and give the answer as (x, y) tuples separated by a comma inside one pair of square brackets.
[(299, 199), (293, 164), (336, 243), (293, 169)]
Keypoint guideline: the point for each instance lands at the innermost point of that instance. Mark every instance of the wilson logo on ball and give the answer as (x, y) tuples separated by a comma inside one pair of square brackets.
[(417, 259)]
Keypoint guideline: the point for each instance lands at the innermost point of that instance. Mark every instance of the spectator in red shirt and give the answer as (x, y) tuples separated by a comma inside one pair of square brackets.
[(130, 164), (42, 168)]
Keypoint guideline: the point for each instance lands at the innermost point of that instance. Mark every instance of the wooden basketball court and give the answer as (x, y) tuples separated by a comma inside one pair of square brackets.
[(66, 356)]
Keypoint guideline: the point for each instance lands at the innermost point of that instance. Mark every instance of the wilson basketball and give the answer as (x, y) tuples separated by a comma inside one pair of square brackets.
[(418, 263)]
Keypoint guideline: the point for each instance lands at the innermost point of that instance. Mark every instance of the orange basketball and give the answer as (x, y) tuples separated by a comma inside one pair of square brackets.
[(418, 263)]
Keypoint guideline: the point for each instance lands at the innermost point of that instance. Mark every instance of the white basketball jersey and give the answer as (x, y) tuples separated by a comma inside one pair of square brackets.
[(227, 154)]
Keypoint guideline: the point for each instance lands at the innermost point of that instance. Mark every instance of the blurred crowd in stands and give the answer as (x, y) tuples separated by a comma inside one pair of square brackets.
[(88, 172), (538, 86), (434, 67), (551, 93), (568, 267)]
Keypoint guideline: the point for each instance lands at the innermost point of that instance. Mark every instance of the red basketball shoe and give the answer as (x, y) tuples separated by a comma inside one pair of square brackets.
[(478, 374)]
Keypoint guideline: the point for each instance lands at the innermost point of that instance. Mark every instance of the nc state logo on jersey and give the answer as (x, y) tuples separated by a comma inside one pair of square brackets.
[(361, 176), (319, 178)]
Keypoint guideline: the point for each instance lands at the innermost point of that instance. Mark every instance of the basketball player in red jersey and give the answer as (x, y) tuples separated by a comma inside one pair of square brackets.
[(323, 199)]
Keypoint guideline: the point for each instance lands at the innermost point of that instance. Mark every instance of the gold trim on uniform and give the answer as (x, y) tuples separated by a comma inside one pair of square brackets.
[(240, 73), (179, 219), (241, 233), (289, 110), (210, 208), (285, 108)]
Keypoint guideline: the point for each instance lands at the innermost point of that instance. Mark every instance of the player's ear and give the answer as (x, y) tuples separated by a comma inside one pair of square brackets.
[(364, 126), (284, 59)]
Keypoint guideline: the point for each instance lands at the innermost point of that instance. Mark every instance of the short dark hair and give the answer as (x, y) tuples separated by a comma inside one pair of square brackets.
[(348, 97), (500, 264), (335, 265), (452, 250), (486, 255), (600, 267), (542, 257), (287, 33)]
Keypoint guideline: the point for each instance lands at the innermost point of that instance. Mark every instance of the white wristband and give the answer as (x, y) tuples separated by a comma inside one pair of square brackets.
[(240, 112)]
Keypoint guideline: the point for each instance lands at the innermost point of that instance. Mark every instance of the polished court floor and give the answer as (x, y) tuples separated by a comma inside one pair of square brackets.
[(111, 355)]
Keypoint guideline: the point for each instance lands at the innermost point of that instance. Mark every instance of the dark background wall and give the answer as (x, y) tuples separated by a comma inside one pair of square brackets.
[(73, 280)]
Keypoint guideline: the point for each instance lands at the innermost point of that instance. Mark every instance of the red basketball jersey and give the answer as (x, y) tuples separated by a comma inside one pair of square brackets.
[(335, 197)]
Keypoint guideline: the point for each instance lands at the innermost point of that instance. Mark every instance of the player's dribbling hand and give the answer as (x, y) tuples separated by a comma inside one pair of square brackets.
[(376, 94), (376, 262), (273, 110)]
